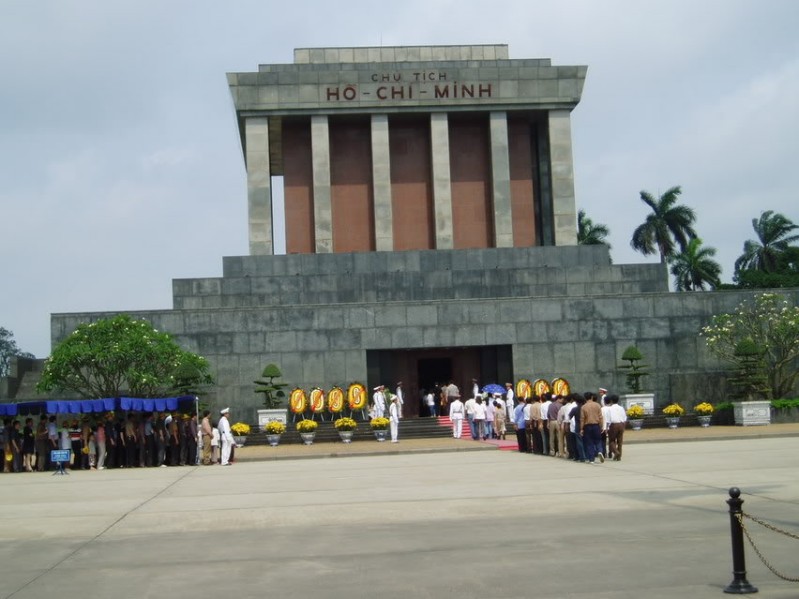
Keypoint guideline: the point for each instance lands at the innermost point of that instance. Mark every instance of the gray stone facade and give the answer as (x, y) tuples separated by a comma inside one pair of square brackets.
[(435, 80), (564, 311)]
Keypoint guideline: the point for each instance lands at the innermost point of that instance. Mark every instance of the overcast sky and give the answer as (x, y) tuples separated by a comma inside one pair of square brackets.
[(120, 165)]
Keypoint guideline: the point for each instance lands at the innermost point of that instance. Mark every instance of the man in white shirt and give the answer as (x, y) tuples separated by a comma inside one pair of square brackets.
[(225, 436), (566, 448), (529, 424), (393, 418), (379, 402), (456, 411), (509, 401), (606, 417), (475, 388), (469, 407), (430, 402), (400, 398), (618, 420), (546, 442)]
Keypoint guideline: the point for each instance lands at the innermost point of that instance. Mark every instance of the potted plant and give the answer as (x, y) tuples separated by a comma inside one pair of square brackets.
[(673, 412), (635, 414), (274, 430), (634, 371), (704, 411), (307, 430), (380, 427), (240, 431), (346, 428), (273, 393)]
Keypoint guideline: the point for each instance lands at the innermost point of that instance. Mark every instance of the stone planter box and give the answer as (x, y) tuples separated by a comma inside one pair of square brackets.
[(267, 416), (752, 413), (645, 400)]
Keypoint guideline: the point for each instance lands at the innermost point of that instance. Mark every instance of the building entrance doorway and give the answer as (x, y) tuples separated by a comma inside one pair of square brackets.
[(421, 369)]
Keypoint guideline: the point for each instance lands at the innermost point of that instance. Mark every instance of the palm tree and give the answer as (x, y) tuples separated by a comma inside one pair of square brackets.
[(773, 240), (668, 223), (589, 233), (693, 268)]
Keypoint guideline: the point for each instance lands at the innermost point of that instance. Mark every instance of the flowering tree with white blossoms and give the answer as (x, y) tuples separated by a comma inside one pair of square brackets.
[(122, 356), (772, 323)]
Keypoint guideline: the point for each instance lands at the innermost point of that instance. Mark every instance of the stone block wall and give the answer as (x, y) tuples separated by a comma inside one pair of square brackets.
[(566, 312)]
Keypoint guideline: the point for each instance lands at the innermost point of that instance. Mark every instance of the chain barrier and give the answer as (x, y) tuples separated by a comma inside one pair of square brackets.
[(740, 517)]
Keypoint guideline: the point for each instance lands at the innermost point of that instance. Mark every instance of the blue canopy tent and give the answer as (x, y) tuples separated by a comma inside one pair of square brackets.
[(96, 406), (8, 409)]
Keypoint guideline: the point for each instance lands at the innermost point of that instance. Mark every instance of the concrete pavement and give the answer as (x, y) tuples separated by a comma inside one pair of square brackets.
[(429, 524), (655, 435)]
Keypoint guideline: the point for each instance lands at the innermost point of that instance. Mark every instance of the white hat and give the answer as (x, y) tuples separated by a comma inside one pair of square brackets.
[(378, 388), (224, 411)]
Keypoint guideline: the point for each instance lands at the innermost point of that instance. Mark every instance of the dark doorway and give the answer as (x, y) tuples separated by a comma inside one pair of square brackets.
[(420, 369), (433, 370)]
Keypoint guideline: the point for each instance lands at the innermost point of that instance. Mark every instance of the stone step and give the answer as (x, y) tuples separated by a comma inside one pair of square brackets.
[(409, 428)]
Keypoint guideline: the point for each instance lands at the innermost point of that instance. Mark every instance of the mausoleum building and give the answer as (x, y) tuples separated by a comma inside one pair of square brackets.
[(430, 230)]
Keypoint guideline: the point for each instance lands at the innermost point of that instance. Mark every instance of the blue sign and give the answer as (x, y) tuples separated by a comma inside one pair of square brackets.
[(59, 455)]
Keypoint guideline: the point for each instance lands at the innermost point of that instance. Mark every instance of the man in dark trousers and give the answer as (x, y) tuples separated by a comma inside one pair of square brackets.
[(519, 423)]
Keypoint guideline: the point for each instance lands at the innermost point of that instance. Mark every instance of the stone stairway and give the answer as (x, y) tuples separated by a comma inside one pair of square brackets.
[(409, 428)]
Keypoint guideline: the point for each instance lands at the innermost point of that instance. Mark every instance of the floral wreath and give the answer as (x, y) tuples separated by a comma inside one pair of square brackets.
[(560, 386), (298, 402), (357, 397), (540, 387), (317, 400), (523, 388), (335, 400)]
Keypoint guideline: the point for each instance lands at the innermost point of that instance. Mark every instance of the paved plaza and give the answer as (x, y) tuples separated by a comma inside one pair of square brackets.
[(489, 524)]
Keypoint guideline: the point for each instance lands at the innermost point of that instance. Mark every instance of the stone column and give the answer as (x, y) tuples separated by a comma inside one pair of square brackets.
[(323, 215), (560, 152), (500, 177), (259, 185), (381, 184), (442, 189)]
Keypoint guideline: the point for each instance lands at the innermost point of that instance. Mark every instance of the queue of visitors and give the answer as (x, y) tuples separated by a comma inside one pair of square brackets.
[(100, 441), (576, 427)]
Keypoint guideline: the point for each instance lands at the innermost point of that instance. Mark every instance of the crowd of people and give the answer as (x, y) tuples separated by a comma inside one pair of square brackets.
[(583, 428), (100, 441)]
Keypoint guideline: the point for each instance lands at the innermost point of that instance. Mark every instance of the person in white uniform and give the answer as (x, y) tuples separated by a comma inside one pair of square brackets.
[(456, 411), (509, 401), (400, 399), (379, 402), (225, 436), (393, 417)]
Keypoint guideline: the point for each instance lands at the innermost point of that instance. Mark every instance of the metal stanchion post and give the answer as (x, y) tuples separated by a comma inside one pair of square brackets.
[(739, 584)]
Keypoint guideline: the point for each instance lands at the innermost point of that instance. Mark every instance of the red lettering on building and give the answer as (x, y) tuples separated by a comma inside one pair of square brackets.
[(349, 92)]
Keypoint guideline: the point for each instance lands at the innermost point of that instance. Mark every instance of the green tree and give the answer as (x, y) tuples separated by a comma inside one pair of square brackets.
[(634, 371), (694, 267), (590, 233), (749, 379), (272, 391), (122, 356), (9, 349), (668, 225), (774, 239), (770, 322)]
